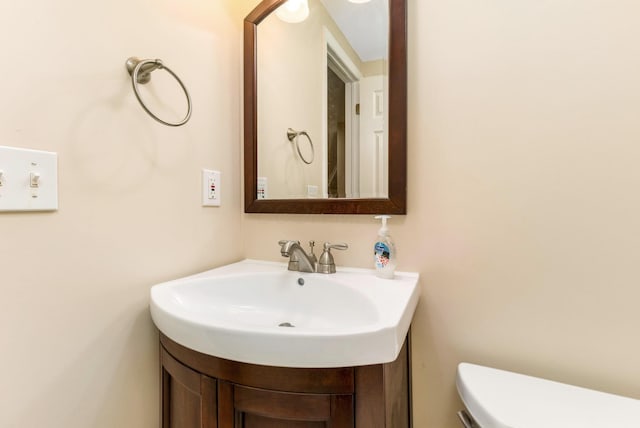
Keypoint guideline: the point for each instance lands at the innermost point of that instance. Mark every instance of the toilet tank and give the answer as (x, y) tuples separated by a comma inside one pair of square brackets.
[(501, 399)]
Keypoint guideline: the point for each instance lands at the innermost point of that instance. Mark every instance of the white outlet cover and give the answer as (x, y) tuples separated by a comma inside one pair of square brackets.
[(263, 188), (211, 188)]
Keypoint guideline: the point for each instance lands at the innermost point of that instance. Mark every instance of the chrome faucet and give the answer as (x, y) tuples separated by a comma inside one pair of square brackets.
[(300, 261)]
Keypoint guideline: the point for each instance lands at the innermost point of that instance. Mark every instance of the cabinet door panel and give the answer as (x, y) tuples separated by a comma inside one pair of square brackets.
[(189, 399), (184, 407), (255, 421), (259, 408), (282, 405)]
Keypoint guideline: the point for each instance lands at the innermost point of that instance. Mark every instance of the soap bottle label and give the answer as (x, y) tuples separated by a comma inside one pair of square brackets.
[(382, 253)]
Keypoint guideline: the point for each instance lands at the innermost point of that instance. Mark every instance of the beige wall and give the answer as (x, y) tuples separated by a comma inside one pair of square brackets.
[(524, 212), (77, 345), (523, 207)]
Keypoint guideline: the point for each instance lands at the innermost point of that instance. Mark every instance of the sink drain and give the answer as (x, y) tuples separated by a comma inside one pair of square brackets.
[(286, 324)]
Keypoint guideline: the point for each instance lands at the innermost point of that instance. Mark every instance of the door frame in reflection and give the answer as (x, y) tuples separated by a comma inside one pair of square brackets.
[(337, 60)]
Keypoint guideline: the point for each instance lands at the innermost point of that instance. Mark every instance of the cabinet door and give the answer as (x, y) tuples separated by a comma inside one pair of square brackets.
[(188, 398), (244, 407)]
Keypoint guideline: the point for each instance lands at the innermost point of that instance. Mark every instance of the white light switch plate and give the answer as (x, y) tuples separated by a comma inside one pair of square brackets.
[(28, 180), (210, 188)]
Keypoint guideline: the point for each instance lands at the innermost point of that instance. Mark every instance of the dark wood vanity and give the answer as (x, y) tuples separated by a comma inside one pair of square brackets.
[(202, 391)]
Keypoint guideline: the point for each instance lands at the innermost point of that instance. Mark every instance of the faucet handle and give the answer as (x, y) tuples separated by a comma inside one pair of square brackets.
[(326, 263), (341, 246)]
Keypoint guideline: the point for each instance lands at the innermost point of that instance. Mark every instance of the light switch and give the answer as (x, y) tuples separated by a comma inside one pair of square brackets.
[(34, 180), (28, 180)]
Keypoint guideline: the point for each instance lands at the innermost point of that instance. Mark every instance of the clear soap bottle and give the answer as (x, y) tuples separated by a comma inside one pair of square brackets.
[(384, 251)]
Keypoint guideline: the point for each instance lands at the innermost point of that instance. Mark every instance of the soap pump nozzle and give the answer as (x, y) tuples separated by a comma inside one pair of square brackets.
[(384, 230)]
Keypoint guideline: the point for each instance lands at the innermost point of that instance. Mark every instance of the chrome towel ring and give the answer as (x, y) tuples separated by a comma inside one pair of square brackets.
[(140, 71), (293, 135)]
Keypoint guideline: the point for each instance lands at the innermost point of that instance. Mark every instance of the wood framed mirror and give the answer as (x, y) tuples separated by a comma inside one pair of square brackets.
[(320, 198)]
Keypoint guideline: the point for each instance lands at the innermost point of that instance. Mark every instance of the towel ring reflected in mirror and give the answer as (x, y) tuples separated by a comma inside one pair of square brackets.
[(294, 137)]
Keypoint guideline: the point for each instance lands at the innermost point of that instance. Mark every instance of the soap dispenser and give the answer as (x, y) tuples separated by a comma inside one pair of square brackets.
[(384, 251)]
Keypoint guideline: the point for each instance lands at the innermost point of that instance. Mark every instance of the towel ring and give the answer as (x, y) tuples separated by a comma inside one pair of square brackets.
[(140, 71), (293, 135)]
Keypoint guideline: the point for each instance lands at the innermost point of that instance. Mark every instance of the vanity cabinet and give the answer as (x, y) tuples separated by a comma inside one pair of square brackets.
[(189, 398), (202, 391)]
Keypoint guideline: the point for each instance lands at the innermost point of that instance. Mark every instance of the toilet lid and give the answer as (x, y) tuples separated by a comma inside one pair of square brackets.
[(501, 399)]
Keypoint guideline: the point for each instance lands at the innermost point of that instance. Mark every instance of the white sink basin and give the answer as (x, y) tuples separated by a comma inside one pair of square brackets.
[(257, 312)]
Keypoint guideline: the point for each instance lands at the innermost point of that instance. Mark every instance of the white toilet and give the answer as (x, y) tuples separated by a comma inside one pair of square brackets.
[(500, 399)]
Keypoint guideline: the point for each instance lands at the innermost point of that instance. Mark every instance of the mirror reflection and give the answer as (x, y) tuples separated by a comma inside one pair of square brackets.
[(322, 84)]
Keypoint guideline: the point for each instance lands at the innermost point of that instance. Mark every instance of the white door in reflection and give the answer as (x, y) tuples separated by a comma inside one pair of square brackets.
[(373, 136)]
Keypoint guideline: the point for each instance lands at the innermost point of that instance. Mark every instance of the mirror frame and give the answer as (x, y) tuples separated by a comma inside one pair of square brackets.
[(395, 203)]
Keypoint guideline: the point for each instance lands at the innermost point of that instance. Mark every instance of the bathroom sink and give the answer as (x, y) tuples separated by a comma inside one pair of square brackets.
[(259, 312)]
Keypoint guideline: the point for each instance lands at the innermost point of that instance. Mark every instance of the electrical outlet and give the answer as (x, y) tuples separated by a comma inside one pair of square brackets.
[(262, 188), (210, 188)]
